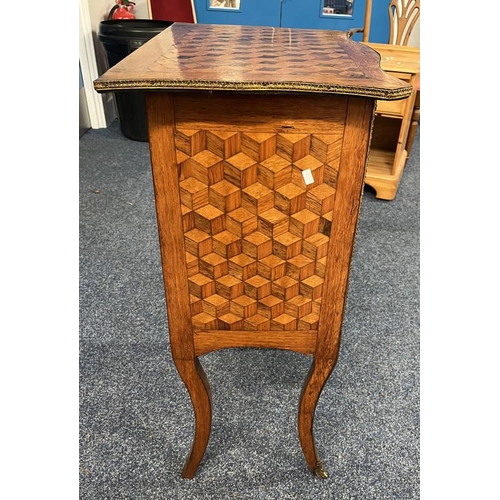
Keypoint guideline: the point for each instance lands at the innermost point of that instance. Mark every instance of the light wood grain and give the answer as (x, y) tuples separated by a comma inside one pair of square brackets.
[(403, 15), (387, 162)]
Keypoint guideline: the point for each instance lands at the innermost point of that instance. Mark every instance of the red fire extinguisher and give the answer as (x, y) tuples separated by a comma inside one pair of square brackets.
[(122, 10)]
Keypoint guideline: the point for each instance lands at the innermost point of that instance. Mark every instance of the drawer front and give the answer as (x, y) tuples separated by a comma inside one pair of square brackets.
[(394, 108)]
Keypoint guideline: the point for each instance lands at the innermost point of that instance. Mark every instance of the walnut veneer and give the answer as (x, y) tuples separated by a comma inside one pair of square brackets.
[(258, 140)]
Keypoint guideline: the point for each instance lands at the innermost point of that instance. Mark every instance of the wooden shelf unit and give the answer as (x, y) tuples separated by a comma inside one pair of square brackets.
[(390, 145)]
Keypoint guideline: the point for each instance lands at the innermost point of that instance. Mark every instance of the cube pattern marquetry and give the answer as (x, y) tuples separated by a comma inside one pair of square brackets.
[(274, 54), (256, 235)]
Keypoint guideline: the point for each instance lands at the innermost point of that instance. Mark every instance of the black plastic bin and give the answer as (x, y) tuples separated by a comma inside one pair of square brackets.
[(119, 39)]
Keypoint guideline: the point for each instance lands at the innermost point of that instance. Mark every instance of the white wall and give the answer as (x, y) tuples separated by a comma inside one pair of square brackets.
[(98, 10), (414, 40)]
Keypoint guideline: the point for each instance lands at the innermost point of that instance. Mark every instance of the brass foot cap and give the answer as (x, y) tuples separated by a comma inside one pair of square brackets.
[(320, 471)]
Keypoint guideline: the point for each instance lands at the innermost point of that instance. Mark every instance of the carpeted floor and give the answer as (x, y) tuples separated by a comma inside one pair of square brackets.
[(136, 420)]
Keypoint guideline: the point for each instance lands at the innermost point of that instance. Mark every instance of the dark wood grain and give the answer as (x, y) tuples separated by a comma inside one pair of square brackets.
[(196, 382), (253, 255), (215, 289), (346, 211), (347, 203), (170, 229), (212, 340), (250, 58), (169, 218)]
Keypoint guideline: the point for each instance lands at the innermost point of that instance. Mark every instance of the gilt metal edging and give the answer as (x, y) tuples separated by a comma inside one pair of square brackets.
[(385, 94)]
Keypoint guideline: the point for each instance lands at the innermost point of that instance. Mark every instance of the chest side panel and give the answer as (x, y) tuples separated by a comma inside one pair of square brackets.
[(257, 184)]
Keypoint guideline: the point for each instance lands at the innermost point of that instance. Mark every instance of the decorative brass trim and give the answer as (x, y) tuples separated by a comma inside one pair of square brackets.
[(385, 94), (320, 470)]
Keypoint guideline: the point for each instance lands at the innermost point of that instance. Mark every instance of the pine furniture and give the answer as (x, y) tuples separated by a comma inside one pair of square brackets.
[(395, 121)]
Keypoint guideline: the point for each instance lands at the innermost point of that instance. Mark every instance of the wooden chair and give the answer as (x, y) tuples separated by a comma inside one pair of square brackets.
[(403, 15)]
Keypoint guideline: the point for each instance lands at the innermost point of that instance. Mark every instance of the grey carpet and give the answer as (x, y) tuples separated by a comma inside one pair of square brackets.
[(136, 420)]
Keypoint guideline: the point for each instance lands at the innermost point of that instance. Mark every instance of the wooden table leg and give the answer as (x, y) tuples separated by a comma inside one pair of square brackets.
[(165, 175), (313, 385), (196, 382)]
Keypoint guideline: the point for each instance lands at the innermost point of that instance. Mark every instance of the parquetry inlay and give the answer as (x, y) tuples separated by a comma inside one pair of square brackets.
[(256, 236)]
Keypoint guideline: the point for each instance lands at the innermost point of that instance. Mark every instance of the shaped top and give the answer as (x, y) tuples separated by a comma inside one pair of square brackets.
[(189, 56)]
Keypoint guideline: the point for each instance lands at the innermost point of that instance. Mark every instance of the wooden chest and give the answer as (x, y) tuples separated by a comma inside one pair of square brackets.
[(259, 139)]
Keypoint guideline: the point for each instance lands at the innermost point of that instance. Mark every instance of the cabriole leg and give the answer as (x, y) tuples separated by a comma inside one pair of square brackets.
[(313, 385), (196, 382)]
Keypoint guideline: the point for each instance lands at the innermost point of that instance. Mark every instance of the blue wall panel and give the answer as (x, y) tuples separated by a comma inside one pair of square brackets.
[(303, 14)]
